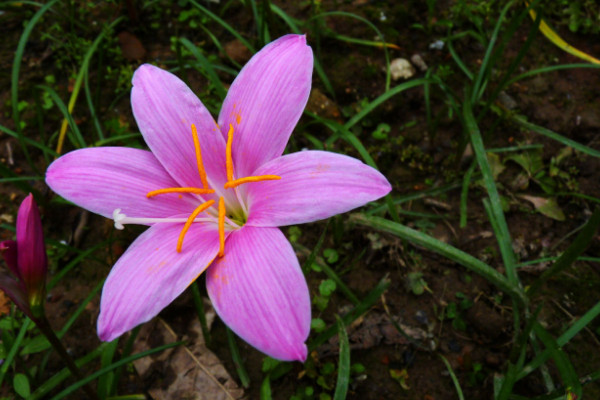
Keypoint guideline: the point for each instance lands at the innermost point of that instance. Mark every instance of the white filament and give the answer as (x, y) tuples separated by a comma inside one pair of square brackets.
[(122, 219)]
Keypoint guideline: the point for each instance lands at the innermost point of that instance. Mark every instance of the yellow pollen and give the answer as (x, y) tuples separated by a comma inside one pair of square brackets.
[(189, 221), (247, 179), (221, 227), (201, 170), (228, 159), (179, 190)]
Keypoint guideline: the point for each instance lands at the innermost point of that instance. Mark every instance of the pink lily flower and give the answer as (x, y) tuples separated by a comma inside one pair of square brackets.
[(214, 195), (26, 259)]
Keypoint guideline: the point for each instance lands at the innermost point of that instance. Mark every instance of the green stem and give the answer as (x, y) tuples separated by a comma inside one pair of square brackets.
[(199, 304), (44, 326)]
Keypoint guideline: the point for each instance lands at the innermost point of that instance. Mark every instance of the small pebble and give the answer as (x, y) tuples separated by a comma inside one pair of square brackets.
[(418, 61), (401, 68), (437, 45)]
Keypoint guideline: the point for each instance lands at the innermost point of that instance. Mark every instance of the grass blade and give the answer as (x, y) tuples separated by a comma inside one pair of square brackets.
[(224, 25), (58, 378), (388, 75), (459, 391), (90, 102), (327, 270), (77, 86), (294, 27), (16, 70), (559, 138), (105, 381), (439, 247), (316, 250), (111, 367), (265, 389), (237, 359), (569, 334), (552, 68), (199, 305), (343, 378), (207, 68), (502, 235), (28, 141), (14, 349), (559, 42), (76, 139), (562, 362), (576, 248), (383, 98), (464, 195), (484, 69)]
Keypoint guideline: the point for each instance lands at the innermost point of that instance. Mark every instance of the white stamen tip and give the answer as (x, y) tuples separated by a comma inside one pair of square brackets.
[(118, 217)]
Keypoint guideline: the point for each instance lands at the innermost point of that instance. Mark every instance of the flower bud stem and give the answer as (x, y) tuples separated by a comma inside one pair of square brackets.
[(44, 326)]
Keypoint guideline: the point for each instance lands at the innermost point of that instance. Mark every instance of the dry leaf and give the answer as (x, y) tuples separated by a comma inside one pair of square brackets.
[(190, 372), (4, 304), (547, 206)]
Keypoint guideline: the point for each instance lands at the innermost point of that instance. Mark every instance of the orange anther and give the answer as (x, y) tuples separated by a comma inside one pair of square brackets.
[(221, 226), (201, 170), (190, 220), (247, 179), (179, 190), (228, 159)]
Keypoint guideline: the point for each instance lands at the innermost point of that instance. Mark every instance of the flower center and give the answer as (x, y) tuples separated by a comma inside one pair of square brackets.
[(205, 189)]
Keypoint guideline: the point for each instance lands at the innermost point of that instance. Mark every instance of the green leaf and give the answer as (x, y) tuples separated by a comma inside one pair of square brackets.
[(327, 287), (35, 345), (357, 368), (380, 133), (317, 325), (321, 302), (331, 255), (21, 385), (416, 283), (530, 161)]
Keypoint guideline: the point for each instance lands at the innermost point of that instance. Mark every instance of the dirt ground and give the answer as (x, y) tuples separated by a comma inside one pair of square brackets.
[(477, 337)]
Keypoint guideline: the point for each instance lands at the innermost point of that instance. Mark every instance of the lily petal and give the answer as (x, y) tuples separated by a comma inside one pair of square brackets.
[(8, 249), (31, 249), (259, 291), (165, 109), (103, 179), (16, 293), (151, 274), (314, 185), (266, 100)]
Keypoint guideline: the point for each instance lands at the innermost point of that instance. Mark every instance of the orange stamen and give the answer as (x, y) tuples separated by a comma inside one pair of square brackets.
[(228, 159), (190, 220), (221, 227), (179, 190), (201, 170), (247, 179)]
